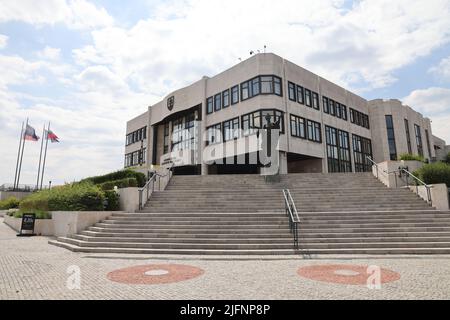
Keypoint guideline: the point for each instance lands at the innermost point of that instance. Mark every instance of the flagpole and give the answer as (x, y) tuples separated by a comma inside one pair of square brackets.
[(40, 158), (45, 153), (21, 157), (18, 157)]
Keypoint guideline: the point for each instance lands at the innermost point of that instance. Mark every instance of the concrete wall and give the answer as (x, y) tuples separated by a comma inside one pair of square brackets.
[(439, 195), (388, 172), (378, 109), (17, 194), (441, 148), (43, 227), (129, 199)]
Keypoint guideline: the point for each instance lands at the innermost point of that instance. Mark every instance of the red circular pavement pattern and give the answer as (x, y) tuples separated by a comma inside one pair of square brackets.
[(345, 274), (155, 274)]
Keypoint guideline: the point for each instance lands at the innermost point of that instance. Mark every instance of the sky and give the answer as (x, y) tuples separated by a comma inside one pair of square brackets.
[(89, 66)]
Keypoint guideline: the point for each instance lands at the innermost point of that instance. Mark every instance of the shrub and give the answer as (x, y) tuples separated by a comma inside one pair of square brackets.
[(118, 175), (10, 203), (70, 197), (122, 183), (447, 158), (411, 157), (112, 200), (40, 214), (438, 172)]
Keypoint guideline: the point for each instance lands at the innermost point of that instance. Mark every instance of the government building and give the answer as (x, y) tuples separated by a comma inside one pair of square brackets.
[(212, 126)]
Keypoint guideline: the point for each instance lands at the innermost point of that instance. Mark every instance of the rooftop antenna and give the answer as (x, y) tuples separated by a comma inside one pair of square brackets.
[(265, 48), (240, 59), (252, 52)]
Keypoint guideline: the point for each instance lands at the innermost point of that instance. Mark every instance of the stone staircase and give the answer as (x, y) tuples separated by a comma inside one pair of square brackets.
[(350, 213)]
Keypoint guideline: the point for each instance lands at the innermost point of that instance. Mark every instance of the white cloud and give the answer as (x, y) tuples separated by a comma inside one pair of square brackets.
[(76, 14), (434, 103), (49, 53), (3, 41), (442, 71), (360, 48)]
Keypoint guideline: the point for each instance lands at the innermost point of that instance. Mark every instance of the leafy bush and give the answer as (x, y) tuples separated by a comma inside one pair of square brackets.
[(71, 197), (411, 157), (112, 200), (40, 214), (438, 172), (122, 183), (10, 203), (118, 175), (447, 158)]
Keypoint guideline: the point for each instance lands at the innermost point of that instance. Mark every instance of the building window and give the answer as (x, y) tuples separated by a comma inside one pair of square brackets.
[(391, 138), (136, 158), (338, 150), (235, 95), (300, 95), (418, 140), (314, 131), (359, 118), (362, 148), (225, 98), (332, 107), (209, 105), (298, 127), (267, 85), (308, 98), (315, 101), (428, 143), (214, 134), (256, 120), (277, 86), (291, 91), (255, 87), (231, 129), (337, 107), (408, 136), (217, 102), (166, 137), (344, 112), (326, 107)]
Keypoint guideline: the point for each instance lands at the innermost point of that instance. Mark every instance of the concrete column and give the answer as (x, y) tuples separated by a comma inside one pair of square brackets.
[(283, 163)]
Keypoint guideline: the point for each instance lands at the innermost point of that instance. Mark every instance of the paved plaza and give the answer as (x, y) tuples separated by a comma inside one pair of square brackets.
[(32, 269)]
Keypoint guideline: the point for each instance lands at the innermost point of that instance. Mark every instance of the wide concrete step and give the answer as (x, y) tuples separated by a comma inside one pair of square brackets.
[(191, 230), (280, 222), (194, 226), (166, 235)]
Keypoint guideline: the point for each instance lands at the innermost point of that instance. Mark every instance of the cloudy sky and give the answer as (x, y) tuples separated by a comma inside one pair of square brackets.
[(88, 66)]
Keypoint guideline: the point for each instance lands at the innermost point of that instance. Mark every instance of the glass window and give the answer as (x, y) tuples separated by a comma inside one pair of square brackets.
[(291, 91), (235, 95), (418, 140), (338, 150), (166, 138), (267, 84), (362, 148), (344, 112), (277, 86), (231, 129), (391, 137), (308, 98), (214, 134), (332, 107), (314, 132), (255, 87), (298, 127), (217, 102), (315, 101), (226, 98), (326, 107), (408, 136), (245, 94), (337, 107), (300, 95), (209, 105)]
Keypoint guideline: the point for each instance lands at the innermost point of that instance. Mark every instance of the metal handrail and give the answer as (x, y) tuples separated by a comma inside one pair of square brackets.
[(291, 212), (427, 187), (152, 181)]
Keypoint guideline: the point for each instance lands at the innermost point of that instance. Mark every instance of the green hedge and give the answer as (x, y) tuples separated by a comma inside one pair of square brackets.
[(447, 158), (40, 214), (70, 197), (10, 203), (112, 199), (118, 175), (411, 157), (438, 172), (122, 183)]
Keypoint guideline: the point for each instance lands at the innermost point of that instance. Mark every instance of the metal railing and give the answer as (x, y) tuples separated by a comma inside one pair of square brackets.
[(291, 212), (427, 187), (149, 187)]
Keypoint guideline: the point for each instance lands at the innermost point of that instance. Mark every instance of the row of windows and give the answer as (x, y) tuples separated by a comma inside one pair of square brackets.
[(248, 89), (305, 129), (249, 124), (418, 135), (334, 108), (359, 118), (136, 136), (135, 158), (303, 96)]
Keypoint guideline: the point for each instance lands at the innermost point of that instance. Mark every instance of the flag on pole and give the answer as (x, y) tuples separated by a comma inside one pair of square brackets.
[(53, 137), (30, 134)]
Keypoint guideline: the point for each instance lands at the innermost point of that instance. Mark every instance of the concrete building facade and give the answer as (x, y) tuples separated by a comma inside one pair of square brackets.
[(214, 125)]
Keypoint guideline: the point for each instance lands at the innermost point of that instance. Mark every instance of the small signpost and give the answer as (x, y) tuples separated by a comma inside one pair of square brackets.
[(27, 227)]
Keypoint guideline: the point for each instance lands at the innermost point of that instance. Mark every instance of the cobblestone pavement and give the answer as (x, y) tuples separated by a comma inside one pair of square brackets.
[(32, 269)]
